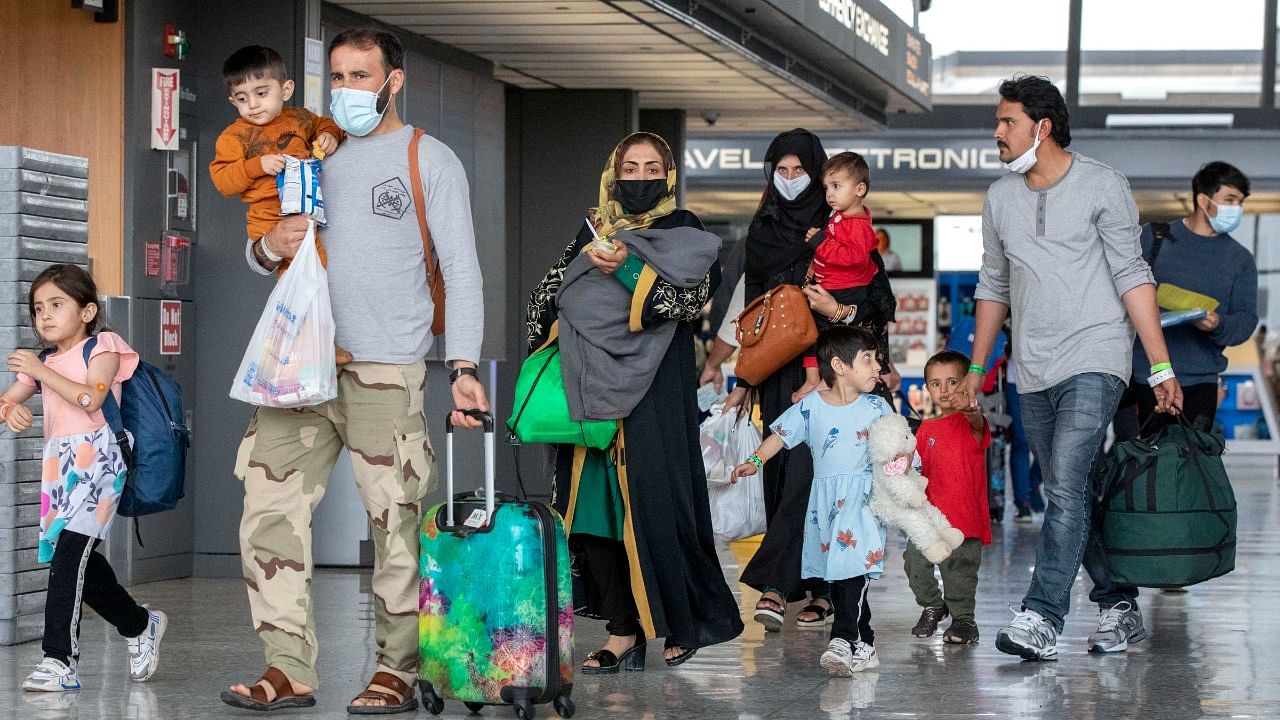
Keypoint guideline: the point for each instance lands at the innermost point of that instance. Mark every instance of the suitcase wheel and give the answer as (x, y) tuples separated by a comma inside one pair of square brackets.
[(431, 702), (524, 711), (564, 706), (474, 706)]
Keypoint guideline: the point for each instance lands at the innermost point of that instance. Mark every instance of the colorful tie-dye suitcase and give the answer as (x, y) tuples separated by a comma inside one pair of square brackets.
[(495, 599)]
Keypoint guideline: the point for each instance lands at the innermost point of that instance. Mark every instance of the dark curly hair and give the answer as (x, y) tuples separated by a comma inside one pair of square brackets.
[(1040, 99)]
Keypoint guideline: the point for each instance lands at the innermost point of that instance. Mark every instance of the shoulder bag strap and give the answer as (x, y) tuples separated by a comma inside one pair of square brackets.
[(1159, 231), (420, 202)]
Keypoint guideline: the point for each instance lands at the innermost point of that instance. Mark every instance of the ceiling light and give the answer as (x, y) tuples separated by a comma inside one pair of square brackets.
[(1166, 120)]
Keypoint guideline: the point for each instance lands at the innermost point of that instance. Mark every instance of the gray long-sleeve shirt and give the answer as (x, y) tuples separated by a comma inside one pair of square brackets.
[(1061, 258), (377, 278)]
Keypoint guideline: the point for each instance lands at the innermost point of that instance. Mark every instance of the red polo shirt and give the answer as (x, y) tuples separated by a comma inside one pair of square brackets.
[(956, 466)]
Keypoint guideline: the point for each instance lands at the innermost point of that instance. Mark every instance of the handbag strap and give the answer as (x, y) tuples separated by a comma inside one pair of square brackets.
[(420, 203)]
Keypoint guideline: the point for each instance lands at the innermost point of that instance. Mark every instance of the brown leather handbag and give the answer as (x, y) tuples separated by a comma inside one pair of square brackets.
[(773, 330), (435, 281)]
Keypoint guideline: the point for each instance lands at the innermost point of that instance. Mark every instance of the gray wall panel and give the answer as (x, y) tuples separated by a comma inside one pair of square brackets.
[(559, 142)]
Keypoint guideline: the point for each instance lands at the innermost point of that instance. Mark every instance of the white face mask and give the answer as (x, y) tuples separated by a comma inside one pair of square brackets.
[(790, 189), (1026, 160)]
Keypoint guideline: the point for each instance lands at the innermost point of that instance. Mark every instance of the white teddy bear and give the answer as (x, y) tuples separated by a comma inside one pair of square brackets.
[(897, 491)]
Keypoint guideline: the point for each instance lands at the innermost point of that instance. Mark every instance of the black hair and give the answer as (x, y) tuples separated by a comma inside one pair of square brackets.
[(253, 61), (1040, 99), (947, 357), (849, 162), (367, 37), (79, 287), (1212, 176), (844, 342)]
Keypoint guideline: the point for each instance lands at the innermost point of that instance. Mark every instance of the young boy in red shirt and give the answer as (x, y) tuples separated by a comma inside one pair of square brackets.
[(953, 456)]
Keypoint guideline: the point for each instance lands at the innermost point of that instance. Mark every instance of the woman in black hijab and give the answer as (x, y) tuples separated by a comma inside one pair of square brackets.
[(779, 252)]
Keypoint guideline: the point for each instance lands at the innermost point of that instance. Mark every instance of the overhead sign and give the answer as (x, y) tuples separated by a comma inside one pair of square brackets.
[(170, 327), (164, 111), (892, 160), (873, 36), (965, 160)]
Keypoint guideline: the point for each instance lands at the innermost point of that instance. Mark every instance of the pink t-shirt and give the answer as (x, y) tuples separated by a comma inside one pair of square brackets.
[(63, 418)]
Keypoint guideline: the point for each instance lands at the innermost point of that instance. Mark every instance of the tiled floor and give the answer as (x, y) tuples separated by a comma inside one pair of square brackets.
[(1207, 656)]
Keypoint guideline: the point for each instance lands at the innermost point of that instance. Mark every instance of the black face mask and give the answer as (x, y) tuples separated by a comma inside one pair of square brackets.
[(639, 196)]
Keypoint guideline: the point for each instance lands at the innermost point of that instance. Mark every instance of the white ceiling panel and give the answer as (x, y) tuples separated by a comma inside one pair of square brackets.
[(594, 44)]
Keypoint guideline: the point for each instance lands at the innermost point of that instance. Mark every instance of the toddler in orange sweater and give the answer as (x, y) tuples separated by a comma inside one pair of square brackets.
[(252, 150)]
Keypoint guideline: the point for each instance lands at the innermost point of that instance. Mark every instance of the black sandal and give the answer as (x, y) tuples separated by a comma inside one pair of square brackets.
[(826, 615), (769, 613), (682, 657), (632, 660)]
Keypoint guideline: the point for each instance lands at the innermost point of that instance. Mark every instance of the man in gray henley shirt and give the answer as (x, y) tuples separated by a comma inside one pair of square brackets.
[(1061, 253), (382, 310)]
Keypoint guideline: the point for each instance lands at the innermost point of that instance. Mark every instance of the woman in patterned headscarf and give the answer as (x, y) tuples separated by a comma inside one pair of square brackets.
[(637, 514)]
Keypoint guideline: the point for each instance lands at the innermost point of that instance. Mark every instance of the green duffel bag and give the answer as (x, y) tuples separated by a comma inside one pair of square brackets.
[(542, 408), (1165, 509)]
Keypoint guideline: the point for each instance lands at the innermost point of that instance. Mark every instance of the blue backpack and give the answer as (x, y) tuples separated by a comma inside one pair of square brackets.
[(151, 409)]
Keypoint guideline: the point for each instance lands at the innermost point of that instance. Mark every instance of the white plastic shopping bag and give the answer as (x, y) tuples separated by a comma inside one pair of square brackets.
[(713, 435), (737, 509), (290, 358)]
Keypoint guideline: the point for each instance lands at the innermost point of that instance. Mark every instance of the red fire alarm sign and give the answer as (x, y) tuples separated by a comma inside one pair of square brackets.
[(170, 327)]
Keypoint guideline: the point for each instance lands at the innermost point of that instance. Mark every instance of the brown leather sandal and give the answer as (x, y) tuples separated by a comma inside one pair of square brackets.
[(389, 689), (277, 695)]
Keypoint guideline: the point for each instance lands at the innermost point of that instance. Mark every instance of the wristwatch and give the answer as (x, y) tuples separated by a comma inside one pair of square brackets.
[(459, 372)]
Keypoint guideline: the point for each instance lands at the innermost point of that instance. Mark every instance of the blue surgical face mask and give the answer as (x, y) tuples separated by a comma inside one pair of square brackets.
[(1227, 219), (790, 189), (356, 111)]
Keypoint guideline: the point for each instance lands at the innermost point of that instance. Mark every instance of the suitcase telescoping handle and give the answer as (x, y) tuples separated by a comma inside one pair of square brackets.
[(487, 420)]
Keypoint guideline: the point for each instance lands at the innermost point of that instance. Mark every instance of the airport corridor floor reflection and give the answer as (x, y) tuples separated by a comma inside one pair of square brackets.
[(1212, 653)]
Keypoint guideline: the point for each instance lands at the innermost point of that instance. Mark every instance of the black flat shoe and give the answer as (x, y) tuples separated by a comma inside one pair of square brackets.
[(682, 657), (632, 660)]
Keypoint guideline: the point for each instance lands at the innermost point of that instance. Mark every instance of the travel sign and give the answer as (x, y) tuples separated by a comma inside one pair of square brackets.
[(873, 36)]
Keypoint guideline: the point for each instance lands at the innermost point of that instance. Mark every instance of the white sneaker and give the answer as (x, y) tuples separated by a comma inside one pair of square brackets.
[(1030, 636), (144, 650), (52, 676), (838, 660), (864, 657), (1118, 626)]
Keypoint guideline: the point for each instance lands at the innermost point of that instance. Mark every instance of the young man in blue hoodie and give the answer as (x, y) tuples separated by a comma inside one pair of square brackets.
[(1203, 240)]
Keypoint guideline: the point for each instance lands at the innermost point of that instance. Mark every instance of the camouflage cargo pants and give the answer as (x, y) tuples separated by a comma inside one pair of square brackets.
[(285, 460)]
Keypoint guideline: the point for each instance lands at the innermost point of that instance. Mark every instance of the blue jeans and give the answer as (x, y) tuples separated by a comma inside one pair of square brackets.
[(1066, 426), (1026, 474)]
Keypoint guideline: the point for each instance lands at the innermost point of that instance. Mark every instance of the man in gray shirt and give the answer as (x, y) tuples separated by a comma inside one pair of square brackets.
[(382, 310), (1060, 250)]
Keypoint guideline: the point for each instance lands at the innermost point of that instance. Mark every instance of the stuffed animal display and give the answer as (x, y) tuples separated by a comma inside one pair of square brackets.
[(897, 491)]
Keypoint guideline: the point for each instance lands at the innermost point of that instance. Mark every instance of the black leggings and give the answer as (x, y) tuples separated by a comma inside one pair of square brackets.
[(853, 613), (79, 574)]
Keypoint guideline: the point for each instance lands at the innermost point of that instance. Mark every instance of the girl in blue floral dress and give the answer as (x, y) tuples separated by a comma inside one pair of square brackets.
[(82, 476), (843, 541)]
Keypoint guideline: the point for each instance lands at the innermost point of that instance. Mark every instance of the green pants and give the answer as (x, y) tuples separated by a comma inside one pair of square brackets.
[(959, 578), (285, 460)]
